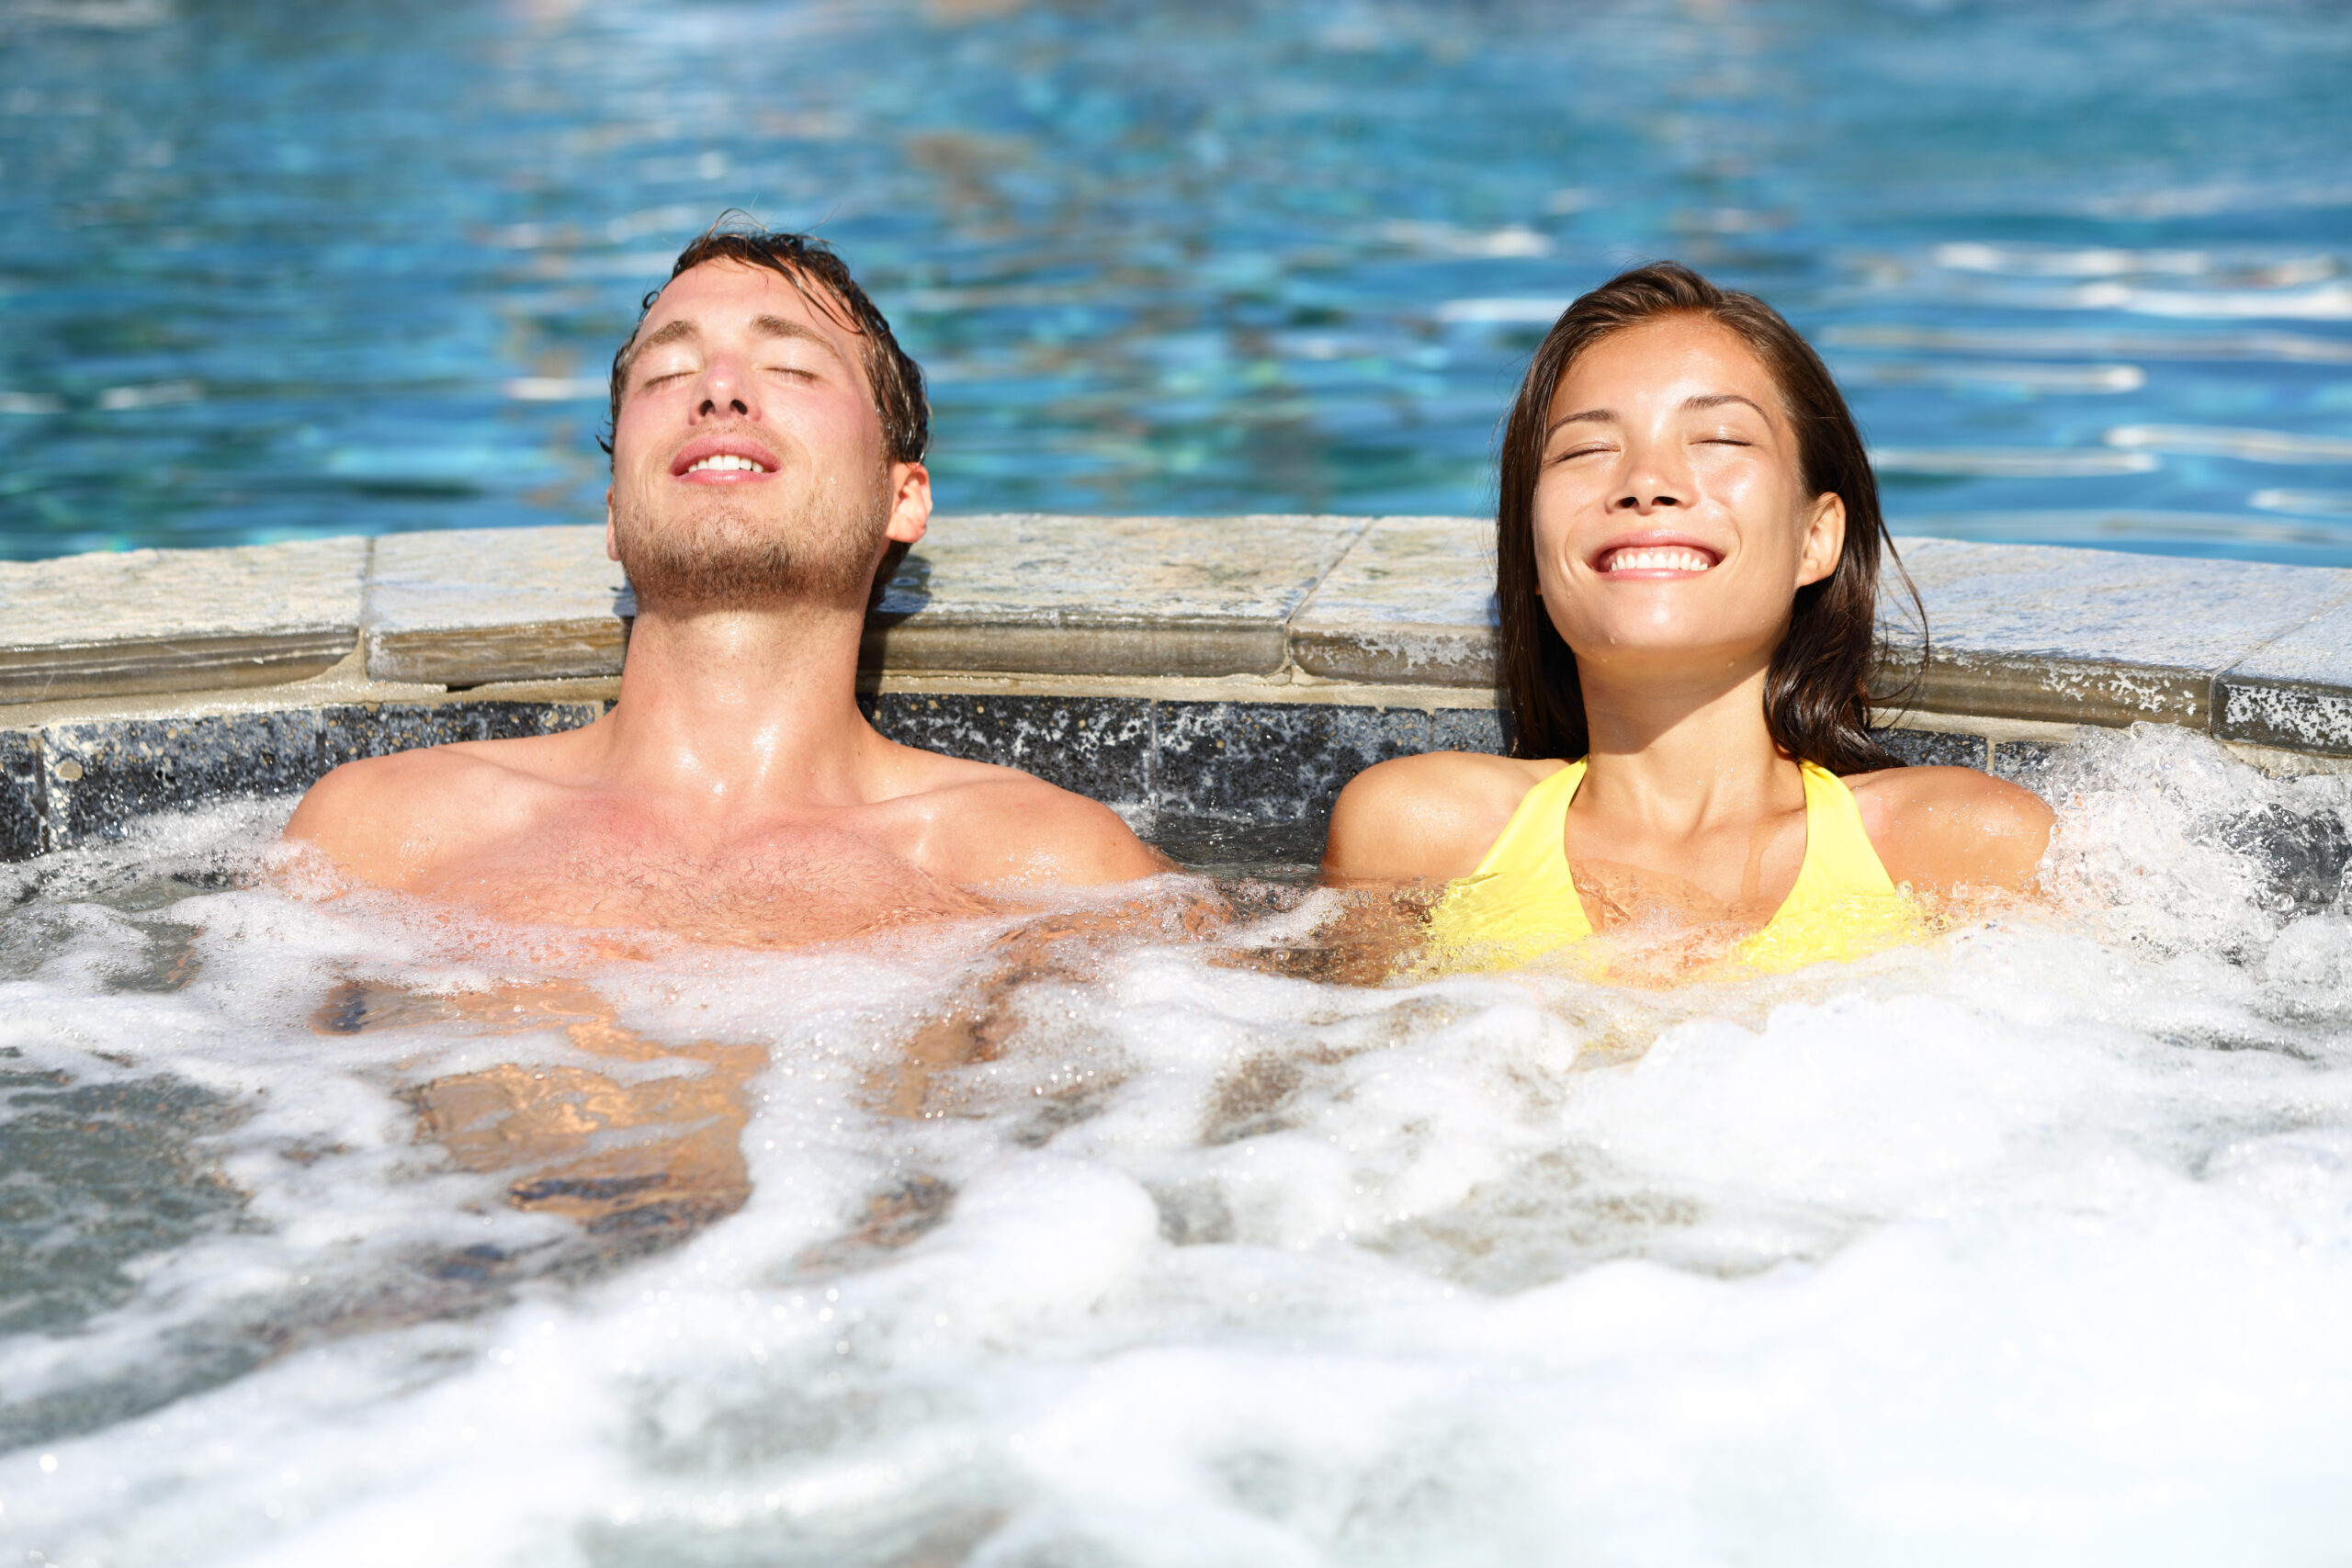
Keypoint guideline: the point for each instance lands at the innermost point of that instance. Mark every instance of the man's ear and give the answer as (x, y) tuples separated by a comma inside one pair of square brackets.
[(910, 502), (1825, 538), (612, 546)]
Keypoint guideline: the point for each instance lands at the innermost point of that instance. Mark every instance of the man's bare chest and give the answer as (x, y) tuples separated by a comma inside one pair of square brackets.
[(777, 884)]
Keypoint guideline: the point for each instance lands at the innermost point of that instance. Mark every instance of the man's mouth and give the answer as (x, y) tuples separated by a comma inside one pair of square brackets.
[(1655, 558), (722, 459)]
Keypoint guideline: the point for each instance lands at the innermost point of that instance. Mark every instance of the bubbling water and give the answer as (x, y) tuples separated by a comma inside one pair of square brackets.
[(338, 1232)]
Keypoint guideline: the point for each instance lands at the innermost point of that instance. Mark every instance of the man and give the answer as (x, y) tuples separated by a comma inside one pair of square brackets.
[(768, 435)]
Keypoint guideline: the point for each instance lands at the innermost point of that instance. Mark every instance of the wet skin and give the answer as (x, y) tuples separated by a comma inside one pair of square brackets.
[(647, 1159), (734, 793), (1672, 530)]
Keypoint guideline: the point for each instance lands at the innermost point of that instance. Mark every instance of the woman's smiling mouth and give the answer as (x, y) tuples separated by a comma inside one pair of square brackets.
[(1653, 559)]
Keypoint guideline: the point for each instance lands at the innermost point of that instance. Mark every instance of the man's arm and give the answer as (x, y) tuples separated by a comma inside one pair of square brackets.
[(1022, 830), (387, 821)]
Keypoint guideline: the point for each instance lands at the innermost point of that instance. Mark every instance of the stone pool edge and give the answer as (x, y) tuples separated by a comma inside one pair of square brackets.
[(1235, 668)]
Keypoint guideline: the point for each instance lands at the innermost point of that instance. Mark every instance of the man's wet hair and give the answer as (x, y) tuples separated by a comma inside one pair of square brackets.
[(823, 279)]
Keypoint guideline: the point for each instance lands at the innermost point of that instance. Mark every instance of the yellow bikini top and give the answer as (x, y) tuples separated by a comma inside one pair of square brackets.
[(1521, 902)]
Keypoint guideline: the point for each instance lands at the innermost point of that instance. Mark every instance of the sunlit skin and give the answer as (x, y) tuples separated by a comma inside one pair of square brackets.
[(1672, 529), (663, 1151), (734, 793)]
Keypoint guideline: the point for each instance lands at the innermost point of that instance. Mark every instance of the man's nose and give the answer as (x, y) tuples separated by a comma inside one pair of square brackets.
[(727, 391)]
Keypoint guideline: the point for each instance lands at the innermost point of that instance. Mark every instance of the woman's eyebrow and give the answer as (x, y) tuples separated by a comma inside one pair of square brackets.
[(1606, 416), (1717, 399)]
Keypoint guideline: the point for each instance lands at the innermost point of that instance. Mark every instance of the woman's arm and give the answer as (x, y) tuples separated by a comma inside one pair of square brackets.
[(1423, 819), (1950, 830)]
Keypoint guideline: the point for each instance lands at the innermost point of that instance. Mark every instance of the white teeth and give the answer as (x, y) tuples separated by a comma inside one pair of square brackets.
[(1670, 558), (724, 463)]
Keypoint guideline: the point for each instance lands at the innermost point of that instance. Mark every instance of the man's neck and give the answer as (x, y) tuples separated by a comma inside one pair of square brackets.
[(732, 710)]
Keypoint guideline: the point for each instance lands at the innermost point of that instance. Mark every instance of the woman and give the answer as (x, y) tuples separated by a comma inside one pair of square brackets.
[(1687, 553)]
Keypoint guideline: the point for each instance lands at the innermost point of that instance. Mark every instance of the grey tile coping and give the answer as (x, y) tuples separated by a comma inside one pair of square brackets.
[(2098, 636), (2019, 632), (1036, 593), (470, 606), (177, 620), (1309, 608), (2296, 694), (1412, 602)]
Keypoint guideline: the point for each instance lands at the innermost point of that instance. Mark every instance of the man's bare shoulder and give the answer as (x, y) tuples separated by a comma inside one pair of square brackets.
[(1425, 818), (981, 823), (1948, 828), (392, 820)]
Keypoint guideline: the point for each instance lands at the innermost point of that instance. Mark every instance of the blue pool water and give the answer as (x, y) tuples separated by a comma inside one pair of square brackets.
[(271, 271)]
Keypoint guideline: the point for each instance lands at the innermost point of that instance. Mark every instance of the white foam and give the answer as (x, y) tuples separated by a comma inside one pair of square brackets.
[(2033, 1246)]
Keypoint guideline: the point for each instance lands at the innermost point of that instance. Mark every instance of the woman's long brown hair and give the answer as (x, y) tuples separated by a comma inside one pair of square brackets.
[(1816, 690)]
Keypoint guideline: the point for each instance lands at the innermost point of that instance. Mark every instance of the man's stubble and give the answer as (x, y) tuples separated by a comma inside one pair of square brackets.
[(718, 554)]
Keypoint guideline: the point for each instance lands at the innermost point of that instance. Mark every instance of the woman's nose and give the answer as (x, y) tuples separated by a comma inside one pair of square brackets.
[(1654, 478)]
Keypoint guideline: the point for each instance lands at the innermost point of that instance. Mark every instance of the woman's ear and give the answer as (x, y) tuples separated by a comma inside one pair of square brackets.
[(1825, 538)]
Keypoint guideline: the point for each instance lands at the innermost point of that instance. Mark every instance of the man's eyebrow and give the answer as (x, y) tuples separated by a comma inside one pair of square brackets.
[(778, 326), (668, 332), (685, 327)]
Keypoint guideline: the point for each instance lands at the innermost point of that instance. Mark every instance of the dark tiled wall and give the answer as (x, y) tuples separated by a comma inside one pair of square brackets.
[(1266, 762), (1262, 762), (74, 781), (1935, 748), (21, 806)]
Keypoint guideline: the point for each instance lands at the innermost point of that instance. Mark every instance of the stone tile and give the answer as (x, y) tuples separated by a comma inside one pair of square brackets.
[(1100, 747), (1272, 762), (468, 606), (1936, 747), (1413, 601), (2295, 694), (1228, 847), (2023, 763), (351, 730), (103, 772), (134, 621), (20, 796), (2098, 636), (1031, 593), (1468, 729)]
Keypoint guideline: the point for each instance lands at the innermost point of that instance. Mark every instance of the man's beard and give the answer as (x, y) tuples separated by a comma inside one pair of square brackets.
[(723, 555)]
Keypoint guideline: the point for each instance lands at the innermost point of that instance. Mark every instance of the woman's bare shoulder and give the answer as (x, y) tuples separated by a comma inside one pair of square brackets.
[(1425, 818), (1953, 829)]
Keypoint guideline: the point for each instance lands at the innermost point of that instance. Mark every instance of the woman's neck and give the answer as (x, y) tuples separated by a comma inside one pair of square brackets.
[(1683, 755)]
